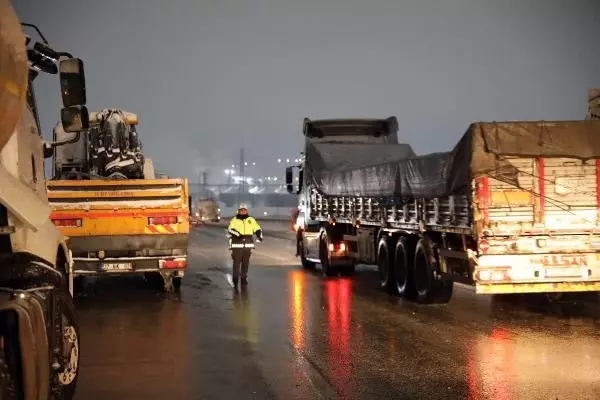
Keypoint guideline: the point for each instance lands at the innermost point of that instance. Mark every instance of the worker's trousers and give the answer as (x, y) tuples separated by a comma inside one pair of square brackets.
[(241, 260)]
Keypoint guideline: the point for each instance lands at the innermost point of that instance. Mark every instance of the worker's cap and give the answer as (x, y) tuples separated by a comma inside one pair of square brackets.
[(243, 206)]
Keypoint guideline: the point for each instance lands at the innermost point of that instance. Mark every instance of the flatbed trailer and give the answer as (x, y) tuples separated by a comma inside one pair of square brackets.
[(513, 208)]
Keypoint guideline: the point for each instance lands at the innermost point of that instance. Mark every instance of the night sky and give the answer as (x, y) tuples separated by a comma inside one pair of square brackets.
[(206, 77)]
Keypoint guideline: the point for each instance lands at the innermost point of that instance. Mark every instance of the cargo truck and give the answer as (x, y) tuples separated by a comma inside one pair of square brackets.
[(207, 210), (119, 218), (39, 334), (513, 208)]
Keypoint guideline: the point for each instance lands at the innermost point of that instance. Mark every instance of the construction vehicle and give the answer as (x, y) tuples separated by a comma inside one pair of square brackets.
[(39, 336), (593, 104), (119, 218), (207, 210), (513, 208)]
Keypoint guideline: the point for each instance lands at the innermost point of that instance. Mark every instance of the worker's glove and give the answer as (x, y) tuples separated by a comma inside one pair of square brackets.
[(259, 235)]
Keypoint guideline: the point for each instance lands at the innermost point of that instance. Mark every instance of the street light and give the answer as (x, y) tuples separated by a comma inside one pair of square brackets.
[(287, 160), (279, 160)]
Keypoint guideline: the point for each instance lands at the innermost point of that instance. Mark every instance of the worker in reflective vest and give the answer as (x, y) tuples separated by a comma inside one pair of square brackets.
[(241, 229)]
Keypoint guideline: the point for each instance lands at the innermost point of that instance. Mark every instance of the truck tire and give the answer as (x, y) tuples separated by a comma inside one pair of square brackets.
[(8, 385), (10, 358), (177, 283), (306, 264), (430, 287), (63, 380), (384, 265), (324, 257), (154, 280), (400, 267)]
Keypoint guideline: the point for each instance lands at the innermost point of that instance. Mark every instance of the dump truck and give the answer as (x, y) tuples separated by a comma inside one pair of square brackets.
[(513, 208), (39, 335), (119, 218), (207, 210)]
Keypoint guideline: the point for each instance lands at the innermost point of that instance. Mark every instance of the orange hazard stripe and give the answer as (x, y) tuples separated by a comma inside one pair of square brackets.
[(153, 229)]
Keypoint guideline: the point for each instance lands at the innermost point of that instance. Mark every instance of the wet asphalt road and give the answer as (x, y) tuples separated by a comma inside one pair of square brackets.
[(292, 335)]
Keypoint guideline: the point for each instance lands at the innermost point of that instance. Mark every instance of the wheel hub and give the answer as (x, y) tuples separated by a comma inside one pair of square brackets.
[(71, 358)]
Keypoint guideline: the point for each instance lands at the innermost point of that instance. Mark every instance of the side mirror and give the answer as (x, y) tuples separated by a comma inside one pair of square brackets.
[(75, 118), (72, 82), (289, 176), (291, 186), (48, 150)]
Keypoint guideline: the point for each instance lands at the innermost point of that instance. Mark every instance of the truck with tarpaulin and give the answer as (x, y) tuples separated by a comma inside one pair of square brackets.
[(513, 208)]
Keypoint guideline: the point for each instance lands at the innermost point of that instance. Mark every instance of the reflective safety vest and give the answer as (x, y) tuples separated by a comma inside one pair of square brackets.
[(241, 231)]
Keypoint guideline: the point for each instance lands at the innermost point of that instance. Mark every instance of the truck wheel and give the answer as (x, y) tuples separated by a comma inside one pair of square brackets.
[(384, 264), (400, 265), (324, 257), (177, 283), (65, 368), (154, 280), (430, 288), (78, 284), (8, 385), (305, 263), (10, 357), (445, 291)]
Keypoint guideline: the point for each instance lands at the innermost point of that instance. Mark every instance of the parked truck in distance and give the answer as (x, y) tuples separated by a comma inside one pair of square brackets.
[(513, 208), (206, 210)]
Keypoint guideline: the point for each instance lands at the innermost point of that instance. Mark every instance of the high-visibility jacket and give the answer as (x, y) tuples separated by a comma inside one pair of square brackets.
[(241, 231)]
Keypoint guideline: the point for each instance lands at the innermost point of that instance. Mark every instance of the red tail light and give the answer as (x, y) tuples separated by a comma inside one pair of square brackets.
[(67, 223), (484, 246), (340, 248), (162, 220), (177, 263)]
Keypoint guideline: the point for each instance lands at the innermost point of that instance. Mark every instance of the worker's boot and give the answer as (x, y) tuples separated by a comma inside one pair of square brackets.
[(244, 281)]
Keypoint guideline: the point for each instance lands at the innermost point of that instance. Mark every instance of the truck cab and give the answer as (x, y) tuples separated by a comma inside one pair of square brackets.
[(38, 327), (341, 143)]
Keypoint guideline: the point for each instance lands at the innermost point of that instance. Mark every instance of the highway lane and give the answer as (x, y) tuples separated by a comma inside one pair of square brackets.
[(292, 334)]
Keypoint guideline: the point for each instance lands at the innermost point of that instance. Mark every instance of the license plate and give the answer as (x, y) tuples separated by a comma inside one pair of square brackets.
[(117, 266), (560, 272)]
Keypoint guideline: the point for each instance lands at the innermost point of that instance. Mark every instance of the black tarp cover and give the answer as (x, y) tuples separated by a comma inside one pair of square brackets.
[(392, 170)]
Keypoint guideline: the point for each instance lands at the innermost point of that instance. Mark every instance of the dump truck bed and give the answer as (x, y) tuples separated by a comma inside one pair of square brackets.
[(123, 225)]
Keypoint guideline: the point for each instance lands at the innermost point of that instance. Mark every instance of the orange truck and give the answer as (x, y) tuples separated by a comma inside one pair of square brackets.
[(118, 217), (124, 226)]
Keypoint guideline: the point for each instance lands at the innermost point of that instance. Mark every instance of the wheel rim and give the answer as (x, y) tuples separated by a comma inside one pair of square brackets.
[(70, 340)]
